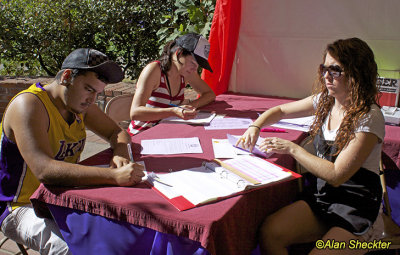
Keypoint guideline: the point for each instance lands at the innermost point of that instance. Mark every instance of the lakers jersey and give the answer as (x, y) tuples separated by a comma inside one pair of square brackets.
[(17, 182)]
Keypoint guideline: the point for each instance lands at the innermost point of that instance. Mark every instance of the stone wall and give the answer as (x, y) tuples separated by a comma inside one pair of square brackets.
[(10, 86)]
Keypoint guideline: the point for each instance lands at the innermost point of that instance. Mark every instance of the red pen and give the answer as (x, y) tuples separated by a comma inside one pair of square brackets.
[(276, 130)]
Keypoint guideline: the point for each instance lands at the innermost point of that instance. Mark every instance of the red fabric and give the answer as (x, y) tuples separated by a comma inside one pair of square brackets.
[(391, 148), (224, 35)]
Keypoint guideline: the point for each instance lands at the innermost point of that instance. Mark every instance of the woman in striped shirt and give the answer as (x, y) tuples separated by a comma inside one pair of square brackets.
[(161, 84)]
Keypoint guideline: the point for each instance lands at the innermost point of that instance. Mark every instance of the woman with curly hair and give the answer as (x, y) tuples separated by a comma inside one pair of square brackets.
[(347, 133)]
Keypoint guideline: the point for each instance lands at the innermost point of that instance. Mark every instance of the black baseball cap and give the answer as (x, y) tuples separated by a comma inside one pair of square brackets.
[(198, 46), (96, 61)]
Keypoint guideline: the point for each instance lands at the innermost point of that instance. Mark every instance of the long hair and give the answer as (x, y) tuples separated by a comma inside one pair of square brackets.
[(166, 56), (361, 72)]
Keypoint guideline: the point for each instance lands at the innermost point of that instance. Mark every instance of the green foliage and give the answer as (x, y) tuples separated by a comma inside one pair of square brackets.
[(188, 16), (36, 35)]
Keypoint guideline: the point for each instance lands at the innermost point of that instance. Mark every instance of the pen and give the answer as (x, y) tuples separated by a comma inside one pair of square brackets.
[(276, 130), (175, 105), (130, 152)]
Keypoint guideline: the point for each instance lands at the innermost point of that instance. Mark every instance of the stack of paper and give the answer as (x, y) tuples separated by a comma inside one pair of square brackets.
[(301, 124)]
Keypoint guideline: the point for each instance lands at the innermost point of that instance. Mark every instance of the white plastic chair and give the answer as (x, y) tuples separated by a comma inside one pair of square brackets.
[(118, 109)]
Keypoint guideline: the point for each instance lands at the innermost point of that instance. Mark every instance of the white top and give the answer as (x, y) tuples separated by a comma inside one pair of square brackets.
[(373, 122)]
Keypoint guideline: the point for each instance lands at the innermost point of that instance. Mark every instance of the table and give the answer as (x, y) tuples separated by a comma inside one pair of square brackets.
[(227, 227), (391, 148)]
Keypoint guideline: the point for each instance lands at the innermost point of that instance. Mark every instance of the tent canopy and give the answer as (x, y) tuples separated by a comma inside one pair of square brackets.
[(273, 47)]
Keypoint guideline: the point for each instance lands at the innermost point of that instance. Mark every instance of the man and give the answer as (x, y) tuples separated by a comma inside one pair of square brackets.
[(43, 135)]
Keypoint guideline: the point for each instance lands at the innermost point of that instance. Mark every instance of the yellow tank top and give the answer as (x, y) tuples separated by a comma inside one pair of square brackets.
[(66, 141)]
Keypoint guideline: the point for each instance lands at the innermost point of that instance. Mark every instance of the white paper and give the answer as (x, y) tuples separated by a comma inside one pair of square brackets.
[(197, 185), (256, 150), (229, 123), (202, 184), (171, 146), (301, 124), (258, 169), (223, 149), (202, 118)]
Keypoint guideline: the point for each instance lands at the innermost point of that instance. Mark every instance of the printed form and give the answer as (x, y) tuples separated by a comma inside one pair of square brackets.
[(171, 146)]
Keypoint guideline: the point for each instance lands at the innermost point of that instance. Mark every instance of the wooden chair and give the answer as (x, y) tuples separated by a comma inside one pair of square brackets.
[(118, 109), (308, 146)]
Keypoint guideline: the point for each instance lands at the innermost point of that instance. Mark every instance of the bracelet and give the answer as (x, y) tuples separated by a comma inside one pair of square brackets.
[(255, 127)]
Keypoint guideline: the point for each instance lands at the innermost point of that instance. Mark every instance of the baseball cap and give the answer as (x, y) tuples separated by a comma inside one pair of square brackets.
[(198, 46), (96, 61)]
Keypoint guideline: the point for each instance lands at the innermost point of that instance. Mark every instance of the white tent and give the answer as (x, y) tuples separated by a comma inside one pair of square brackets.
[(273, 47)]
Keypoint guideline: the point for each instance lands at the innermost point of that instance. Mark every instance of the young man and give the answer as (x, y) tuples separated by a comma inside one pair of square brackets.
[(42, 137)]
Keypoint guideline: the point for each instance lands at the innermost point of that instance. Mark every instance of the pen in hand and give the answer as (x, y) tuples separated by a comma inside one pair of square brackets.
[(175, 105), (130, 152)]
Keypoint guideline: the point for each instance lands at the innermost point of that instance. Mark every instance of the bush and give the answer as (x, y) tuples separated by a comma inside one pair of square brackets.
[(36, 35)]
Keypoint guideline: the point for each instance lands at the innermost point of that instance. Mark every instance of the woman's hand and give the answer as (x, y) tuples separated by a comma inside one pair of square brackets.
[(185, 112), (118, 161), (277, 145), (249, 138)]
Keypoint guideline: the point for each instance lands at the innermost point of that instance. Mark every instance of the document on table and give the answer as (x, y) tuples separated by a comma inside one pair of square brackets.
[(256, 150), (224, 149), (171, 146), (301, 124), (229, 123), (202, 118), (216, 180)]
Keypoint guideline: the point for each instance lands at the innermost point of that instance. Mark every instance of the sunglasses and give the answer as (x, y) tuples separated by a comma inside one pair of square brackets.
[(334, 70)]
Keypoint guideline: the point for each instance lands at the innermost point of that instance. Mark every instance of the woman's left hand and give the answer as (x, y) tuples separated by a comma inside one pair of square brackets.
[(277, 145), (118, 161)]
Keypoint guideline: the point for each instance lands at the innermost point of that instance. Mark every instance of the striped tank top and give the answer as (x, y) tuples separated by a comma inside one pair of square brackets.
[(160, 98), (17, 182)]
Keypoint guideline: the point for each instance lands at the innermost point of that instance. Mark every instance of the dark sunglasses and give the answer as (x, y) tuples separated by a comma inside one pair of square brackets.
[(334, 71)]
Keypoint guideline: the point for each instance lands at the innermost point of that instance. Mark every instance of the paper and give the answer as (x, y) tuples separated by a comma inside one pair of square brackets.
[(256, 150), (301, 124), (210, 182), (202, 118), (224, 149), (171, 146), (258, 169), (229, 123)]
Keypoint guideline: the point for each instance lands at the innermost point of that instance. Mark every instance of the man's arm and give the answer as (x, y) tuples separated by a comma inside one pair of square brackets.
[(26, 122)]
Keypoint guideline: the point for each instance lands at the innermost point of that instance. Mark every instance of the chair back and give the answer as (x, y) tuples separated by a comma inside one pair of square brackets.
[(309, 147), (118, 109)]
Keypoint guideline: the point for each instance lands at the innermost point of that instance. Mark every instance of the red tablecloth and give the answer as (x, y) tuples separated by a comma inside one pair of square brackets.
[(226, 227), (391, 148)]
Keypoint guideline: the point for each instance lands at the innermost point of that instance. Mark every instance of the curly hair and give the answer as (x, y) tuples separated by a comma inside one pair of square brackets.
[(361, 72)]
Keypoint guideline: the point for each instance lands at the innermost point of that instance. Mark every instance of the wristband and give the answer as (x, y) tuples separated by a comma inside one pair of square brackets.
[(255, 127)]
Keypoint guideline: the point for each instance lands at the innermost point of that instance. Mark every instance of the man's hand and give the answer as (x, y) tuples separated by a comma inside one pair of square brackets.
[(129, 174)]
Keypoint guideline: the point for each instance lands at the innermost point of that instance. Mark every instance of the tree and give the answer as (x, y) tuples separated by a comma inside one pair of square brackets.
[(36, 35)]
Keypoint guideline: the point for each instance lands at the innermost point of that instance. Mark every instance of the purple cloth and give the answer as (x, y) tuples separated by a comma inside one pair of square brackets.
[(116, 237)]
